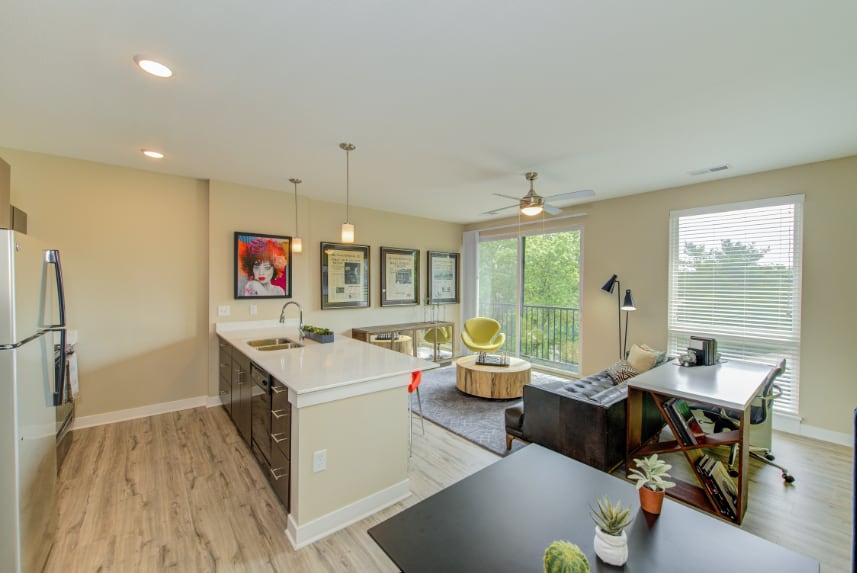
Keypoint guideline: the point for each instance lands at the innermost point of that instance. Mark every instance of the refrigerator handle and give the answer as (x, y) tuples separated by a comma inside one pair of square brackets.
[(52, 257), (60, 373)]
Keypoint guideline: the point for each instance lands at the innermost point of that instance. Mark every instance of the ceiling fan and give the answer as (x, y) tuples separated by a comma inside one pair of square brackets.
[(532, 203)]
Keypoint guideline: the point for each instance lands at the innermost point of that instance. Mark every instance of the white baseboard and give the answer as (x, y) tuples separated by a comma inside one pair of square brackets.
[(302, 535), (793, 425), (141, 412)]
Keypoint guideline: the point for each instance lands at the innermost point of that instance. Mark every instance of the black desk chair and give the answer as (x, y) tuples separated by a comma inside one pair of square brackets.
[(760, 410)]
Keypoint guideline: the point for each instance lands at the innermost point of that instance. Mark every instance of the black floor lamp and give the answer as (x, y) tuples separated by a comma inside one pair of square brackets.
[(627, 305)]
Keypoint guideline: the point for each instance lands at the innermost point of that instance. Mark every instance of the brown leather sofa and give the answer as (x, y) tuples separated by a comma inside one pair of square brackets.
[(582, 419)]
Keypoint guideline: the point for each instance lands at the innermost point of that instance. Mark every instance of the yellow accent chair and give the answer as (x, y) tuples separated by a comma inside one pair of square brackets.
[(439, 334), (482, 334)]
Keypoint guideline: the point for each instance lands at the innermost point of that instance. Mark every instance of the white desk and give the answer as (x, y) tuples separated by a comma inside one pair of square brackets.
[(732, 385)]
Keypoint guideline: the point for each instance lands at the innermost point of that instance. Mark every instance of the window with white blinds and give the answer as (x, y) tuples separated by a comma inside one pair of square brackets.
[(735, 275)]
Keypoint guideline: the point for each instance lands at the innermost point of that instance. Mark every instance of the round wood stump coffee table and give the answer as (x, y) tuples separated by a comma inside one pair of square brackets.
[(500, 382)]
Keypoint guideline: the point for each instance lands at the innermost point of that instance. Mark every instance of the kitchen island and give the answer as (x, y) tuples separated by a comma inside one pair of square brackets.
[(349, 413)]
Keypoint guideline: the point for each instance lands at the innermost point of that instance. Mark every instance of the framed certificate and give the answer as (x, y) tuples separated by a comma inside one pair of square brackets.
[(344, 276), (442, 286), (400, 277)]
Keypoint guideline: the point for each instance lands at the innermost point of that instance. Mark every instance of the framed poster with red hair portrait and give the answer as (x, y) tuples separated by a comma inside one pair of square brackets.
[(263, 266)]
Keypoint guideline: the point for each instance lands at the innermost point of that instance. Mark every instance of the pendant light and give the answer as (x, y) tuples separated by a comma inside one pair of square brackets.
[(347, 227), (297, 244)]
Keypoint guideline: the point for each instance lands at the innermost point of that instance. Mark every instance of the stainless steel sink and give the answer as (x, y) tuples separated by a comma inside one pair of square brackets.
[(268, 344)]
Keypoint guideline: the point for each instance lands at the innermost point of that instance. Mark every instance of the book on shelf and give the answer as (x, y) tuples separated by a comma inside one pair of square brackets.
[(691, 423), (678, 423), (716, 479)]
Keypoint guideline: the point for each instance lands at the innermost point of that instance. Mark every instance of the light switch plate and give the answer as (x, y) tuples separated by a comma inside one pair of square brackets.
[(223, 310), (319, 461)]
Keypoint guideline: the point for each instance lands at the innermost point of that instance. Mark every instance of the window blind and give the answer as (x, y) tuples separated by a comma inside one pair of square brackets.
[(735, 275)]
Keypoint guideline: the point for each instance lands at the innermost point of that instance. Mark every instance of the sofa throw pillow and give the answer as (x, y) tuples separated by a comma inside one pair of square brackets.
[(621, 371), (640, 359), (662, 354)]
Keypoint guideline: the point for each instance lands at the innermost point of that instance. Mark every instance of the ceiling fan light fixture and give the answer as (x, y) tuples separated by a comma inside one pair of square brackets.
[(532, 204), (532, 210)]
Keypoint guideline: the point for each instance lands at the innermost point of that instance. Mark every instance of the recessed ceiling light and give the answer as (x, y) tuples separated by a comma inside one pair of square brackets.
[(153, 154), (153, 67)]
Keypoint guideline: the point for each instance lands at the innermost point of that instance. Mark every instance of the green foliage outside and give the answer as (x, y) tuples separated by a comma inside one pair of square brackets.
[(712, 278), (551, 278)]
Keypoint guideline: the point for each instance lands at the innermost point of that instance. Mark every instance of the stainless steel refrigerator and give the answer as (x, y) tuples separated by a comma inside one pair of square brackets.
[(32, 326)]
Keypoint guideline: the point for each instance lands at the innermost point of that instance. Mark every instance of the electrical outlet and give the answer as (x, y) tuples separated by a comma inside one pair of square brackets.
[(253, 309), (223, 310), (319, 461)]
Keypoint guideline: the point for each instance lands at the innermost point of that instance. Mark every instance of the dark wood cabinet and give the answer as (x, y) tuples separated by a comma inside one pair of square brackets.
[(242, 388), (225, 379), (260, 409), (281, 442)]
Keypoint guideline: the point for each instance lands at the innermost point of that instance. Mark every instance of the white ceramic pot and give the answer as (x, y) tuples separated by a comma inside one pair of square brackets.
[(611, 549)]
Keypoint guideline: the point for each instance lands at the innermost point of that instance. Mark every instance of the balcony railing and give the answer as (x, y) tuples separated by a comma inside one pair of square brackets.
[(549, 334)]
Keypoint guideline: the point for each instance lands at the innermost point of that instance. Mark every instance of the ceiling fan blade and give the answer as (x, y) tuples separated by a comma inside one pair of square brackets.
[(495, 211), (507, 197), (551, 210), (582, 194)]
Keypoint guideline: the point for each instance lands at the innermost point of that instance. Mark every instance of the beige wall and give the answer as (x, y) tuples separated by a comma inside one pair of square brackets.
[(234, 207), (148, 258), (135, 257), (629, 236)]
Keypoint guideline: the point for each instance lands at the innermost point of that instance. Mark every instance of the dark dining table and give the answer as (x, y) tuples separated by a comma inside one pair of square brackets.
[(503, 517)]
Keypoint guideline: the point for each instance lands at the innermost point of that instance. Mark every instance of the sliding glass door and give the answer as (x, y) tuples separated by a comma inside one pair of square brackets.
[(531, 285)]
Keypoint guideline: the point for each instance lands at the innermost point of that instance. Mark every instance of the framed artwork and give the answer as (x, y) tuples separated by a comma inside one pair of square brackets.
[(344, 276), (263, 266), (400, 277), (442, 285)]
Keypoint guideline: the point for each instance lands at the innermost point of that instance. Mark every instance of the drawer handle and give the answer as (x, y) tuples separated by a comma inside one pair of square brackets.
[(282, 437), (280, 413), (224, 365), (278, 476), (279, 389), (222, 392)]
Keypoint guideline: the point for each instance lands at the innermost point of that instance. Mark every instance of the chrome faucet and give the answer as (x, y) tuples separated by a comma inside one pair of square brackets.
[(300, 317)]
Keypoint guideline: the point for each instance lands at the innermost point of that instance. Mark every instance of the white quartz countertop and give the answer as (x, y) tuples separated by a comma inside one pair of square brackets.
[(318, 367)]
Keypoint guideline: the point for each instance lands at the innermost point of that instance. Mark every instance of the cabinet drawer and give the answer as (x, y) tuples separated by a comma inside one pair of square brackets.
[(278, 475), (281, 417)]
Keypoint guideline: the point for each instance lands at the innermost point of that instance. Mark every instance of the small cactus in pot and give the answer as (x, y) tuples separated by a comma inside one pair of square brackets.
[(565, 557)]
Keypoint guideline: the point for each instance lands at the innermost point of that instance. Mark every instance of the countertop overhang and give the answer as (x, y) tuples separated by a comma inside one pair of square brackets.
[(318, 373)]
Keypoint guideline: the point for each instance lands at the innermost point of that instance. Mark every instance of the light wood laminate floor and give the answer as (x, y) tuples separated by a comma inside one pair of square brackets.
[(181, 492)]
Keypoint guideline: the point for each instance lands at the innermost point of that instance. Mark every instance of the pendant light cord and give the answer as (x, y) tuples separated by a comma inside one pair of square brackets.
[(295, 181), (347, 185)]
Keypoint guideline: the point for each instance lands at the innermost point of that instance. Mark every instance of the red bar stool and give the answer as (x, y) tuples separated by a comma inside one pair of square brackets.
[(416, 378)]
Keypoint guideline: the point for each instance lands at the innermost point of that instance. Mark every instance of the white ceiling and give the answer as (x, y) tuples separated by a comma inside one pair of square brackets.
[(448, 101)]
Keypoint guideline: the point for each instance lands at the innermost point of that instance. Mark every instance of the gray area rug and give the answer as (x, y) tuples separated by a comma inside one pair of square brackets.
[(479, 420)]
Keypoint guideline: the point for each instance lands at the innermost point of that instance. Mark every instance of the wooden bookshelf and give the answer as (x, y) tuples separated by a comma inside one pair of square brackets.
[(731, 386)]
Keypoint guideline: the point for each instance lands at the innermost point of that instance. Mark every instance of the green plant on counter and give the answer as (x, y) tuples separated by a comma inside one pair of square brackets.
[(610, 518), (565, 557), (650, 472), (317, 330)]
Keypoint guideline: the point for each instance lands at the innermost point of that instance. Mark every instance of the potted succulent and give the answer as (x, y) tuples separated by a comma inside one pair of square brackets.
[(611, 542), (565, 557), (650, 475)]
